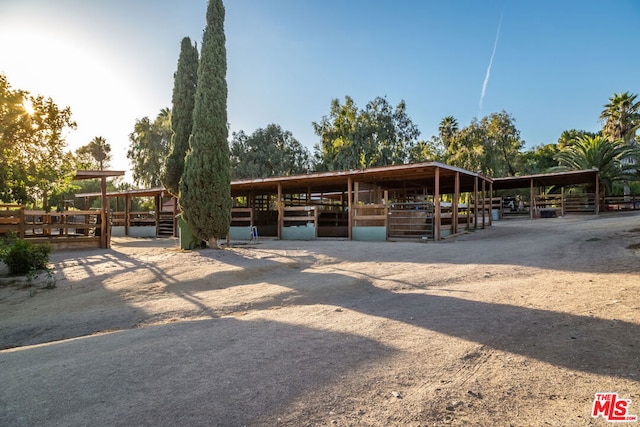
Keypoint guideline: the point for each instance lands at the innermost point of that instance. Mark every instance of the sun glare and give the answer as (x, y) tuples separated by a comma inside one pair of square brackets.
[(28, 106)]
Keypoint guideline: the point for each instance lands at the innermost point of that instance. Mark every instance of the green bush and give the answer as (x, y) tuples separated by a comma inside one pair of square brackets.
[(22, 257)]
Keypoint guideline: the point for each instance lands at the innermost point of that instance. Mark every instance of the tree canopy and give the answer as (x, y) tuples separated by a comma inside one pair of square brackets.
[(95, 155), (149, 145), (356, 139), (33, 160), (183, 101), (489, 146), (267, 152)]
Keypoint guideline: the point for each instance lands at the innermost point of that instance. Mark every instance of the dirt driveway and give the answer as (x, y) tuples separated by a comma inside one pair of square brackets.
[(520, 324)]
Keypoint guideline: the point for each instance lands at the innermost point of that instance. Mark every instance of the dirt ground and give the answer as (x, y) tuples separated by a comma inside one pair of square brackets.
[(519, 324)]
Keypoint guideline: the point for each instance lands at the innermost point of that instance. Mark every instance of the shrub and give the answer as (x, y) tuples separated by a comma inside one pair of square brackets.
[(22, 257)]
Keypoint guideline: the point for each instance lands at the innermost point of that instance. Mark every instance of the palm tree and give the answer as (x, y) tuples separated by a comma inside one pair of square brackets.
[(621, 118), (447, 130), (589, 152), (99, 150)]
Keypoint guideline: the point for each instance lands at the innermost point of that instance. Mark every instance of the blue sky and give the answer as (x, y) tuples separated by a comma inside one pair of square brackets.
[(556, 63)]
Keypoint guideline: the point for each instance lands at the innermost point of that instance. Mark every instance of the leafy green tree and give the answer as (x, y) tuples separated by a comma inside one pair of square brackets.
[(490, 145), (570, 136), (467, 148), (375, 136), (33, 160), (96, 154), (183, 100), (267, 152), (538, 159), (205, 187), (149, 145), (505, 140), (588, 152), (431, 150)]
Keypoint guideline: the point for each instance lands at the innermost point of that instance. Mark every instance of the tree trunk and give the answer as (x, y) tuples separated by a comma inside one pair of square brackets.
[(213, 243)]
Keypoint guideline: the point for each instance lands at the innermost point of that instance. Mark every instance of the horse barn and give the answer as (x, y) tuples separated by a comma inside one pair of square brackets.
[(417, 201), (427, 201), (424, 201)]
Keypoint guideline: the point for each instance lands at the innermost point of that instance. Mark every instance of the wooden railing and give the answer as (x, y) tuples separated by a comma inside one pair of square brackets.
[(297, 215), (373, 215), (621, 203), (241, 217), (580, 203), (12, 220), (68, 223), (68, 229), (411, 219)]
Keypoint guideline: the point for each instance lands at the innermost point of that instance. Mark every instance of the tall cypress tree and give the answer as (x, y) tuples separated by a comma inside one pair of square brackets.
[(184, 89), (205, 187)]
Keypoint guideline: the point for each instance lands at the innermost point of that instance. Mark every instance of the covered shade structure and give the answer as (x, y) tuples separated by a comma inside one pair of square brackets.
[(359, 200), (588, 177)]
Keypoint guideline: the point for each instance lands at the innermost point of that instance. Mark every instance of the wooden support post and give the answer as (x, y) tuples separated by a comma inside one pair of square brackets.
[(104, 205), (490, 204), (251, 203), (436, 205), (280, 205), (22, 225), (598, 193), (562, 201), (386, 213), (468, 198), (484, 197), (127, 213), (454, 204), (158, 205), (349, 206), (532, 200), (316, 212), (475, 203)]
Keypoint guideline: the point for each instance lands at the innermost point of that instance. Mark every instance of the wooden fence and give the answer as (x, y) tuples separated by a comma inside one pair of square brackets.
[(64, 230)]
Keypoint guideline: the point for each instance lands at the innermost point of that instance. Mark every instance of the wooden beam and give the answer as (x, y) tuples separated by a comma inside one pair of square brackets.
[(349, 205), (454, 204), (597, 192), (436, 205), (386, 213), (280, 205), (158, 205), (127, 212), (484, 197), (104, 205), (532, 199), (490, 204), (475, 203), (468, 198)]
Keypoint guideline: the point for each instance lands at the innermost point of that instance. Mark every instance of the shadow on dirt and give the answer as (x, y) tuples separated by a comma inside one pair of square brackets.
[(211, 372)]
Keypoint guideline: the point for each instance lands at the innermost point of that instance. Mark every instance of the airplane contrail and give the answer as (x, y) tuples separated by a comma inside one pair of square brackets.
[(486, 77)]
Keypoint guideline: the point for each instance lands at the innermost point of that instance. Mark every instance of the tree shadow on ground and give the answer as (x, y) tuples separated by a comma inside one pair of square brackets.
[(210, 372), (577, 342)]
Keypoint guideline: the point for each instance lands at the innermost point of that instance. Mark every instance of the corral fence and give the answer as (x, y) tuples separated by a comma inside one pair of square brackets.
[(64, 230)]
